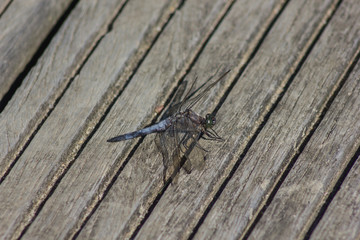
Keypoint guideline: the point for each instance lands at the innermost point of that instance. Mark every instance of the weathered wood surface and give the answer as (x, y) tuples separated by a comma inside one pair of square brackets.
[(291, 109), (321, 163), (47, 81), (282, 137), (23, 27), (242, 122), (342, 218), (61, 136), (140, 182), (142, 95)]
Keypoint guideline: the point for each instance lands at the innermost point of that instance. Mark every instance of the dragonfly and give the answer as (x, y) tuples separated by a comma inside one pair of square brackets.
[(180, 129)]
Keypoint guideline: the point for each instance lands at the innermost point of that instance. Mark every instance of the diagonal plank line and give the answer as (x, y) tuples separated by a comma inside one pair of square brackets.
[(92, 124), (85, 216), (337, 87), (18, 81), (332, 194), (5, 8), (276, 99), (251, 53), (32, 62), (181, 75), (23, 144), (222, 100)]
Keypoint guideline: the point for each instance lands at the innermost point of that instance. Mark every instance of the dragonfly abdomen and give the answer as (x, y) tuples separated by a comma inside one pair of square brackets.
[(159, 127)]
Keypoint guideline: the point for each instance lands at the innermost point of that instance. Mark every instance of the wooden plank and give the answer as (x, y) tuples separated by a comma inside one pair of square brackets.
[(56, 143), (3, 5), (342, 219), (319, 166), (285, 131), (246, 106), (47, 81), (90, 175), (175, 217), (23, 27)]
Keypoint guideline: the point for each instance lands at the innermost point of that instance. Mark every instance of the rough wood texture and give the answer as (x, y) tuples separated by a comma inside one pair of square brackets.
[(283, 134), (342, 219), (47, 80), (23, 27), (100, 160), (319, 166), (68, 126), (290, 60), (140, 181), (241, 114)]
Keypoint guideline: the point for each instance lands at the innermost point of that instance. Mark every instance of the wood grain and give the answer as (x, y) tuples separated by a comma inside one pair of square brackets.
[(23, 27), (283, 134), (241, 115), (342, 219), (95, 168), (47, 81), (56, 143), (318, 168), (288, 111), (140, 181)]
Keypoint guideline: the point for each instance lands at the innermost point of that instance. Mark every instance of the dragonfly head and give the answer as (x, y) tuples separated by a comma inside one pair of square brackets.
[(210, 133), (210, 121)]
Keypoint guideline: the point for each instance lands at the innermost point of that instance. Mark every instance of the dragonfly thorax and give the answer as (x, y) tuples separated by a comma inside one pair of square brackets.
[(179, 131)]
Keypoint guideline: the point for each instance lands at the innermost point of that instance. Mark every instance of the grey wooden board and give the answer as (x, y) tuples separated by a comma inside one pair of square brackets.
[(52, 150), (47, 80), (240, 116), (140, 181), (3, 5), (288, 125), (85, 182), (134, 180), (56, 143), (342, 219), (23, 27), (318, 168)]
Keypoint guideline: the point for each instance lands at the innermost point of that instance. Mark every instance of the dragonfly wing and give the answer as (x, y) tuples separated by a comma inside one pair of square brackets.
[(195, 154), (195, 96), (197, 158), (192, 96), (167, 143), (174, 106), (174, 144), (188, 134), (162, 149)]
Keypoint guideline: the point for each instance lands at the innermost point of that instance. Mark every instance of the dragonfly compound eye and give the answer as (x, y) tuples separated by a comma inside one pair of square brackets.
[(210, 120), (213, 119)]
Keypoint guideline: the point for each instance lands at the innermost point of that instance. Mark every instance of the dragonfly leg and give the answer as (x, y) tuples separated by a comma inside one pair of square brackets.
[(199, 146), (212, 135)]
